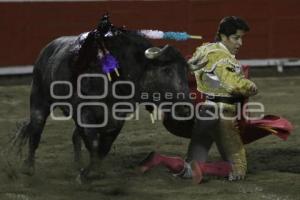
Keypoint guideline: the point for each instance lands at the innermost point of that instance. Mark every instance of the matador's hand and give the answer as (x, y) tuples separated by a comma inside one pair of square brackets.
[(253, 90)]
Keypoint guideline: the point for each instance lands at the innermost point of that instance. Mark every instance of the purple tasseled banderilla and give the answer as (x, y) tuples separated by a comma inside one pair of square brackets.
[(109, 64)]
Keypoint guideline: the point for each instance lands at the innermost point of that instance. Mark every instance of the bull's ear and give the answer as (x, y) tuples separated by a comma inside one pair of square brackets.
[(154, 52)]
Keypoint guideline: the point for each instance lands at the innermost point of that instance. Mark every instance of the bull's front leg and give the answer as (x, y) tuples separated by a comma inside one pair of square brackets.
[(91, 141), (76, 138)]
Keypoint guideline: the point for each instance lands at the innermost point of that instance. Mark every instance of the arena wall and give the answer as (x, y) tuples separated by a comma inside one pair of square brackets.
[(27, 26)]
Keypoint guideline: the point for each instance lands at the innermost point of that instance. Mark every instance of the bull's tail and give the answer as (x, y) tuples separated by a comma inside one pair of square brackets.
[(19, 140), (12, 150)]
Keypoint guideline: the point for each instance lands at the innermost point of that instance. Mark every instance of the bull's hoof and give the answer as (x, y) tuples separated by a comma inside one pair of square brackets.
[(27, 168), (81, 180), (82, 177)]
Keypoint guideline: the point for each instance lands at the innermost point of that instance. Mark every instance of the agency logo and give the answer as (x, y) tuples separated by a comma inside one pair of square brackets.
[(63, 91)]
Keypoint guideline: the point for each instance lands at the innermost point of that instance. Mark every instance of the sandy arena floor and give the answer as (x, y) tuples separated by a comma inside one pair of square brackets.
[(274, 165)]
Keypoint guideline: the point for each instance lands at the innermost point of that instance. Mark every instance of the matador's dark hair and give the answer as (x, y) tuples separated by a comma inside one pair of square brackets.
[(229, 25)]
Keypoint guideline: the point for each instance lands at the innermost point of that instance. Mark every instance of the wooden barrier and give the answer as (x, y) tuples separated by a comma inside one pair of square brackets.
[(26, 27)]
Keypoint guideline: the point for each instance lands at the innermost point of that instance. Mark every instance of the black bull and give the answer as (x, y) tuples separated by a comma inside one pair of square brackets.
[(62, 62)]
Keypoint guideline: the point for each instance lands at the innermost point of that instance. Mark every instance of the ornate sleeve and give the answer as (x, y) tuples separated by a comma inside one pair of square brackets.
[(235, 83)]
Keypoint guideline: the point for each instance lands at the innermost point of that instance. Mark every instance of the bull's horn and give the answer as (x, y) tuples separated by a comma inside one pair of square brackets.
[(154, 52), (152, 118)]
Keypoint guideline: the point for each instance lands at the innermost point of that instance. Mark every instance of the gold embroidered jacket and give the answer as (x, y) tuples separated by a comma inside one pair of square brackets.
[(218, 73)]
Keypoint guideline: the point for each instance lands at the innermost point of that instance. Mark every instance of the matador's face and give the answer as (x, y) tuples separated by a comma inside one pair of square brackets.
[(233, 42)]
